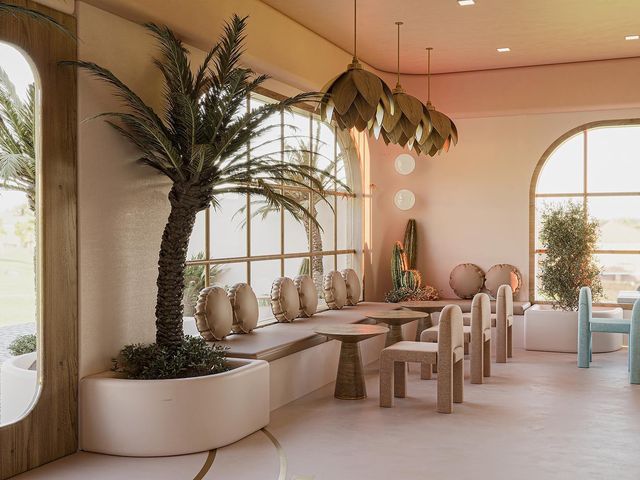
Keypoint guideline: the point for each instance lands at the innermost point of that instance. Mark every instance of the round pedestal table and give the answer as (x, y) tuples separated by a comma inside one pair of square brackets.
[(395, 319), (350, 379)]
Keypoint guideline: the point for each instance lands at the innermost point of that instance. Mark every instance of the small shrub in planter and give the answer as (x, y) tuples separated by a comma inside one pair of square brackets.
[(405, 294), (193, 358), (23, 344), (569, 237)]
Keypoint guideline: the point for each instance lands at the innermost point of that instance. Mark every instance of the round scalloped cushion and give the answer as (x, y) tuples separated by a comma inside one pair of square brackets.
[(214, 315), (503, 274), (466, 280), (335, 290), (285, 302), (308, 295), (353, 285), (245, 308)]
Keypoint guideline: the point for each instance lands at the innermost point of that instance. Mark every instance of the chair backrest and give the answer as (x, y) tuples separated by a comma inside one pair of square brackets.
[(451, 332), (504, 302), (480, 313), (585, 305)]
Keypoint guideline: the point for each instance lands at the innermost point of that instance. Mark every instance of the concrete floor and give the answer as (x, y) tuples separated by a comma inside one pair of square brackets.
[(538, 417)]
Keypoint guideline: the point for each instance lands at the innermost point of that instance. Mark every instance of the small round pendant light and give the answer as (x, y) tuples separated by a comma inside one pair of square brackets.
[(443, 132), (356, 98)]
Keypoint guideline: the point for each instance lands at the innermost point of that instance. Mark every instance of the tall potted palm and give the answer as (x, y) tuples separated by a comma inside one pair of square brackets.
[(199, 141)]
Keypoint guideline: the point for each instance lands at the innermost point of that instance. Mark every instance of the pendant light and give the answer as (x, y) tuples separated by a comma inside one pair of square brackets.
[(409, 121), (443, 132), (356, 98)]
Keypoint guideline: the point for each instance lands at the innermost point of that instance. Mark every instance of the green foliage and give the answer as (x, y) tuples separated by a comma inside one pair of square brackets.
[(410, 245), (405, 294), (15, 10), (305, 267), (397, 265), (569, 237), (23, 344), (193, 358), (17, 139)]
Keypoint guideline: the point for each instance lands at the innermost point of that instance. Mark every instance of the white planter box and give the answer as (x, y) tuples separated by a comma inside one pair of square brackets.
[(551, 330), (147, 418), (19, 387)]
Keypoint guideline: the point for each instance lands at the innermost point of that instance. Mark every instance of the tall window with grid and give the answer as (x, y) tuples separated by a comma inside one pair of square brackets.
[(244, 239), (599, 167)]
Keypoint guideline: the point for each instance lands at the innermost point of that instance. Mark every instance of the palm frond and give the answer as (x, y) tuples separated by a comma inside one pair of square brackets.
[(17, 10)]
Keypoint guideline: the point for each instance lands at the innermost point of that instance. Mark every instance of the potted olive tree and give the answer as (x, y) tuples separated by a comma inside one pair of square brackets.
[(568, 237), (181, 394)]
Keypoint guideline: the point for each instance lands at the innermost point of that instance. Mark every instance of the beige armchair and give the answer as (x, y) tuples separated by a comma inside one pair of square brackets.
[(448, 354), (477, 333), (504, 324)]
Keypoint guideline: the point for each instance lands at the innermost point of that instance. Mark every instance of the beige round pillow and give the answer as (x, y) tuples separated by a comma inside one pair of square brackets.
[(285, 302), (245, 308), (214, 315), (335, 290), (503, 274), (308, 295), (466, 280), (353, 285)]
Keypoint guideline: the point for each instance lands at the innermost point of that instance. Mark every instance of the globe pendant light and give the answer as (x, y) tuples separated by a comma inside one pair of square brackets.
[(356, 98), (409, 121), (443, 132)]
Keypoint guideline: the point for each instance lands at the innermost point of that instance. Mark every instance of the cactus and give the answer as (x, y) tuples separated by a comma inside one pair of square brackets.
[(410, 245), (397, 265), (412, 279)]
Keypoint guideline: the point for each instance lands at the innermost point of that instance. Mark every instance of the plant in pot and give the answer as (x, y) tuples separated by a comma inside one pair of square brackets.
[(568, 237), (200, 141)]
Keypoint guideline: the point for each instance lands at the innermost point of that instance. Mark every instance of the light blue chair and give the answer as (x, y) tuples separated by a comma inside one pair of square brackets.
[(587, 325)]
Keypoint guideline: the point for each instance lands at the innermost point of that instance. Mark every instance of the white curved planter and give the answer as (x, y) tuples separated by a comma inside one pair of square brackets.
[(19, 387), (148, 418), (551, 330)]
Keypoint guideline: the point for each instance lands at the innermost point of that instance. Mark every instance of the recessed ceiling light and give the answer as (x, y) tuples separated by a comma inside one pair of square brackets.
[(464, 3), (504, 49), (632, 37)]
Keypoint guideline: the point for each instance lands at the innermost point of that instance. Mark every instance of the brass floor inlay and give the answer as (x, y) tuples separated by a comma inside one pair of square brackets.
[(281, 454), (207, 465)]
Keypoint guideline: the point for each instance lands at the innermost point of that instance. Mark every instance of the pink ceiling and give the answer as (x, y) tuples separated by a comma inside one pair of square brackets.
[(466, 38)]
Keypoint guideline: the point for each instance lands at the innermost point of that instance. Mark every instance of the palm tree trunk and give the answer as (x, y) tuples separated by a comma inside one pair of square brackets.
[(314, 236), (172, 264)]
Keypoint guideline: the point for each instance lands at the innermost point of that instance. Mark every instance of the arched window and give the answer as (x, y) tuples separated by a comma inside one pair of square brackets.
[(244, 239), (597, 165)]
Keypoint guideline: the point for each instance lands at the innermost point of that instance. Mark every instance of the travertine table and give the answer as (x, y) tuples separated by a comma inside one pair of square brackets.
[(395, 319), (350, 379), (428, 307)]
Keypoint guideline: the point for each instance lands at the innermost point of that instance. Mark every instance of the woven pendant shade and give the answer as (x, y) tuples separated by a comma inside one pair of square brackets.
[(356, 98), (409, 121), (443, 133)]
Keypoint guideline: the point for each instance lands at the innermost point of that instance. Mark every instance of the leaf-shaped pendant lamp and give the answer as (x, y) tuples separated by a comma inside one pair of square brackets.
[(356, 98), (410, 120), (443, 132)]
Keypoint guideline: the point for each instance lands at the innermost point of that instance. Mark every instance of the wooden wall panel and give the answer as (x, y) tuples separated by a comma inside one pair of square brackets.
[(49, 431)]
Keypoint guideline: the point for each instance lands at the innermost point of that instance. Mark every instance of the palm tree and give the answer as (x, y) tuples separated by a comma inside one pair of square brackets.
[(305, 152), (17, 140), (200, 141)]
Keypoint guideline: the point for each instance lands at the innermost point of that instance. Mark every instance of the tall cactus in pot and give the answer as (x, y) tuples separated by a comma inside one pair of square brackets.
[(410, 245), (397, 265)]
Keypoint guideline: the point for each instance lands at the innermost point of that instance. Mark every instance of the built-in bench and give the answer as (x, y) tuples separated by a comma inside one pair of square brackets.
[(281, 339)]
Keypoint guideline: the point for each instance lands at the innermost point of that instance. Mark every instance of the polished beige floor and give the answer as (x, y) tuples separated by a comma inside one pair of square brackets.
[(538, 417)]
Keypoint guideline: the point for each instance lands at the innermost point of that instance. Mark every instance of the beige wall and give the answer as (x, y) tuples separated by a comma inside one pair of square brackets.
[(472, 204)]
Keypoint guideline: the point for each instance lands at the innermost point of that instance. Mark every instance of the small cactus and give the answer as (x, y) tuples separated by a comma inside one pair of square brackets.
[(412, 279), (410, 245), (397, 265)]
